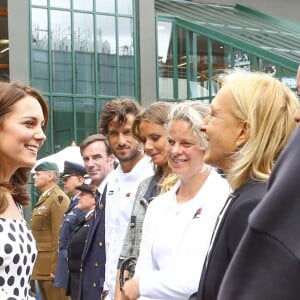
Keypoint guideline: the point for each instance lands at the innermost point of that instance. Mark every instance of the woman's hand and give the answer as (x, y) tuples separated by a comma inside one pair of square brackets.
[(131, 289), (122, 296)]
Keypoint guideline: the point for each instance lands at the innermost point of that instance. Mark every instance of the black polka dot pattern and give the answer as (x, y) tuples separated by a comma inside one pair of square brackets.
[(17, 256)]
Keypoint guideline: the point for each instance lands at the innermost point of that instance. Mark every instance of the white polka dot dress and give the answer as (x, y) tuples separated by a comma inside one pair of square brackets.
[(17, 256)]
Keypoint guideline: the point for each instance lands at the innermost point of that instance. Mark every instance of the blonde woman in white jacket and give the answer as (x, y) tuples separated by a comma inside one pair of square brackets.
[(179, 224)]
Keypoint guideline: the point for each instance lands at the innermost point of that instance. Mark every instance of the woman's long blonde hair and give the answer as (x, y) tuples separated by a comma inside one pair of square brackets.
[(267, 106)]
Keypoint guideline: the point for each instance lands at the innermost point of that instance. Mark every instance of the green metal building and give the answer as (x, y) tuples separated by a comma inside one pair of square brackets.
[(81, 54)]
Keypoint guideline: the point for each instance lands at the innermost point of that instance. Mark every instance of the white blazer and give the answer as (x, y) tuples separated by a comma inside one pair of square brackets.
[(179, 277)]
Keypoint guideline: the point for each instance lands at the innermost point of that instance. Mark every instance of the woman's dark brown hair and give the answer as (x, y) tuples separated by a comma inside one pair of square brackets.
[(11, 93)]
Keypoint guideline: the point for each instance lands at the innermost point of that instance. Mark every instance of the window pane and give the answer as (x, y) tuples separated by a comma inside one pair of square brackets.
[(60, 3), (125, 7), (241, 60), (39, 2), (267, 67), (126, 75), (289, 78), (61, 51), (86, 119), (39, 28), (106, 6), (233, 59), (83, 32), (83, 5), (40, 69), (126, 36), (60, 30), (181, 64), (126, 57), (84, 56), (84, 72), (165, 59), (219, 65), (106, 49), (198, 66), (40, 58), (63, 127)]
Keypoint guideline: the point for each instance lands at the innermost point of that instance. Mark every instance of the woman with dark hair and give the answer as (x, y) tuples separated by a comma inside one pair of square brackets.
[(23, 117)]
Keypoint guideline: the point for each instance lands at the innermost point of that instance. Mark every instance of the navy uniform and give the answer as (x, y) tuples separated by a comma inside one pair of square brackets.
[(72, 217), (76, 245), (46, 218), (93, 256)]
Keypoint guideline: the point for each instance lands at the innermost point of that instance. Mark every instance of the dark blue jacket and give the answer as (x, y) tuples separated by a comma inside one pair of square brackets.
[(72, 218), (266, 264), (228, 236), (93, 256)]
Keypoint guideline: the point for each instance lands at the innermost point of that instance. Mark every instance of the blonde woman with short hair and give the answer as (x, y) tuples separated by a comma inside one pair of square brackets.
[(179, 223)]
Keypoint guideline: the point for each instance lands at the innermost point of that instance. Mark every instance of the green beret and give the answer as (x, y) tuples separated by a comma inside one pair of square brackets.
[(46, 166)]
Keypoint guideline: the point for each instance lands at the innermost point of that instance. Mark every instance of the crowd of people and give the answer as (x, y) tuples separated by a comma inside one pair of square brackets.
[(183, 201)]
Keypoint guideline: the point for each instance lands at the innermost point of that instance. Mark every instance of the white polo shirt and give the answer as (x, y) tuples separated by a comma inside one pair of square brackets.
[(120, 194)]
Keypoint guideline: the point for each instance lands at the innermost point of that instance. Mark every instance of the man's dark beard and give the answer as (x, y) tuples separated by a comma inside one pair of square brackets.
[(133, 155)]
